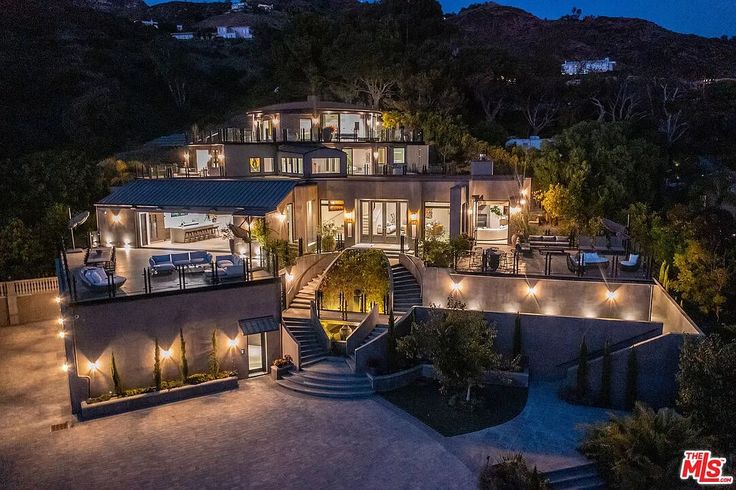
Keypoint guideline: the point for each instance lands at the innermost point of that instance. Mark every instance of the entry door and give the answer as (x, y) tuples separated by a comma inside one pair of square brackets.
[(382, 221), (256, 352)]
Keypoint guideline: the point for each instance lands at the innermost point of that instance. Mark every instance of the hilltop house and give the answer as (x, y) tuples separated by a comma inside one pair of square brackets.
[(584, 67), (234, 32)]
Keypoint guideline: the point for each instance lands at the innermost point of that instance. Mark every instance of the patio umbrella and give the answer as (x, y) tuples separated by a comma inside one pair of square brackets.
[(75, 221), (239, 232)]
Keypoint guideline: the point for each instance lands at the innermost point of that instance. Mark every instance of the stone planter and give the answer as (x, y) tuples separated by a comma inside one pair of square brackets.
[(146, 400), (278, 372)]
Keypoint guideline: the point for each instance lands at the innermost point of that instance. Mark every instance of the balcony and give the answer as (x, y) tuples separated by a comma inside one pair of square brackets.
[(245, 135)]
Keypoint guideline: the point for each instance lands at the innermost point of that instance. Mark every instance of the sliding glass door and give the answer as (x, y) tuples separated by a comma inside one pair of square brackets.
[(382, 221)]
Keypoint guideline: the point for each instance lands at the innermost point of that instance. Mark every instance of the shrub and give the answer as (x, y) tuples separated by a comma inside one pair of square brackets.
[(116, 377), (157, 366), (581, 385), (184, 363), (283, 361), (174, 383), (643, 450), (632, 372), (213, 361), (605, 395), (197, 378), (511, 472)]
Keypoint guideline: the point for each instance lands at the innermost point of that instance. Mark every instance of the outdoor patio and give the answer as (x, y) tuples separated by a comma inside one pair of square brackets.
[(132, 263), (558, 262)]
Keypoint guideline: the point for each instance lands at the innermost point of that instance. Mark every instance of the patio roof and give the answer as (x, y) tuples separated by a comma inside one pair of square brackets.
[(258, 325), (240, 196)]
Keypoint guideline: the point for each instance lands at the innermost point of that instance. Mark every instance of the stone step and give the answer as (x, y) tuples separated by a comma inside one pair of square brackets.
[(346, 379), (331, 384), (576, 477), (308, 390), (311, 360)]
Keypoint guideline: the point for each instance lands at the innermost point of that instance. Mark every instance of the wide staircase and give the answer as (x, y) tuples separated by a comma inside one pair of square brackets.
[(407, 292), (583, 477), (378, 330), (306, 295), (331, 378), (311, 348)]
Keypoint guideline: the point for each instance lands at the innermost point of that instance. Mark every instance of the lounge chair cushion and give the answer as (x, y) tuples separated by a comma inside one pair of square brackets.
[(631, 261)]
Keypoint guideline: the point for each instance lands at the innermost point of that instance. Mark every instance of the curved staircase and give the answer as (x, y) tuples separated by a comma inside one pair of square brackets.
[(407, 292), (330, 378)]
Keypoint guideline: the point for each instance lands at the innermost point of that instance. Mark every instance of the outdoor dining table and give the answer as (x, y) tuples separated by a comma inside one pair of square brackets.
[(99, 256)]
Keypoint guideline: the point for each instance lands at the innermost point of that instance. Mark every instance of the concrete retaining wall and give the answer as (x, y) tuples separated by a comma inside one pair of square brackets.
[(128, 327), (587, 299), (373, 351), (665, 310)]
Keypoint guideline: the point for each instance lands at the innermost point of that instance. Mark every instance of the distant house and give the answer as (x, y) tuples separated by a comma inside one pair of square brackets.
[(266, 7), (238, 6), (182, 36), (584, 67), (234, 32), (150, 23), (531, 142)]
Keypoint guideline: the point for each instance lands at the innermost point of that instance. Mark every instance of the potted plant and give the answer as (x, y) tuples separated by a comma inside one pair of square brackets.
[(281, 366)]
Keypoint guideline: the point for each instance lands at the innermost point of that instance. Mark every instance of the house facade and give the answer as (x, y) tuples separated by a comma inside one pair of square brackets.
[(584, 67)]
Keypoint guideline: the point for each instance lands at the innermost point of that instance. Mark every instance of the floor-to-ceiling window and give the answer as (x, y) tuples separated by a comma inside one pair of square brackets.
[(491, 221), (332, 216), (437, 220), (362, 161)]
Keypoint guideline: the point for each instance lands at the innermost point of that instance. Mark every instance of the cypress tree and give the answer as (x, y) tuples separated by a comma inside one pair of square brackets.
[(184, 363), (157, 366), (632, 371), (581, 386), (214, 363), (516, 348), (606, 371), (116, 377)]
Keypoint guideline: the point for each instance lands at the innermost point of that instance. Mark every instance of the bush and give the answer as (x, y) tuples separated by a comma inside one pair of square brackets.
[(184, 363), (643, 450), (174, 383), (511, 472), (197, 378), (157, 366), (283, 361), (116, 377), (213, 361)]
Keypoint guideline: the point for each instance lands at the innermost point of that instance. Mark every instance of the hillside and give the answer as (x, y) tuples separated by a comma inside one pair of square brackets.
[(638, 46)]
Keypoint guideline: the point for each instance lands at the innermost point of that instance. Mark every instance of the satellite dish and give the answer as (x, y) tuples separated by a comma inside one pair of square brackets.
[(78, 219), (238, 232)]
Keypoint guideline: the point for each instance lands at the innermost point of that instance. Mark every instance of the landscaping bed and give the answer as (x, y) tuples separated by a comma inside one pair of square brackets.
[(422, 399), (138, 398)]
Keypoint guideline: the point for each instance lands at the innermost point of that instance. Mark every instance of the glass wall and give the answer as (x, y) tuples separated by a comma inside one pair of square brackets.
[(332, 215), (437, 220), (491, 221), (256, 352), (325, 165), (292, 165), (383, 221), (362, 161)]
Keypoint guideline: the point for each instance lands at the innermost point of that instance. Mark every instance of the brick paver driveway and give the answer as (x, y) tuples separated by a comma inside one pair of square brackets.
[(259, 436)]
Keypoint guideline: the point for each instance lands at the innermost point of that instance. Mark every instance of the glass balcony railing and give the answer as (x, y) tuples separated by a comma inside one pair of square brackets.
[(245, 135)]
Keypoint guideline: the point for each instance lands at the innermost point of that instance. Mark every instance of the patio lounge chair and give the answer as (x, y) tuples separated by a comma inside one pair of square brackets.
[(161, 263), (229, 266), (573, 266), (631, 264), (96, 278)]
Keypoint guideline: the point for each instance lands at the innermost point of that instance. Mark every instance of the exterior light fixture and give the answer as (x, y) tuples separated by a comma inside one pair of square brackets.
[(289, 277), (166, 354), (232, 343), (611, 295), (57, 299), (61, 321), (65, 367), (456, 287), (532, 290), (62, 334), (414, 217), (522, 201), (349, 216), (514, 209), (116, 218), (281, 217), (93, 366), (524, 192)]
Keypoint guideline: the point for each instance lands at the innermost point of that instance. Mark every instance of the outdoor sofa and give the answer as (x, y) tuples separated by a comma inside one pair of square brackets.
[(229, 266), (543, 241), (168, 262), (631, 264)]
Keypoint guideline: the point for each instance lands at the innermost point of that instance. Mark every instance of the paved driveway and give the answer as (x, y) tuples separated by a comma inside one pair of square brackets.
[(259, 436)]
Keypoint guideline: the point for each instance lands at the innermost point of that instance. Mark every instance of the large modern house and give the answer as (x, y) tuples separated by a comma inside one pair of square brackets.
[(311, 168)]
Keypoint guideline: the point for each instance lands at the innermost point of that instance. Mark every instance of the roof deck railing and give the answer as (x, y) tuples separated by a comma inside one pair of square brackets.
[(324, 135)]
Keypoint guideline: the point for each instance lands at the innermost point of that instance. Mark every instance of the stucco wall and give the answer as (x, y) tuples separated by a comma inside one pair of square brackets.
[(237, 159), (128, 328), (550, 341), (116, 231), (586, 299), (36, 308), (665, 310), (657, 365)]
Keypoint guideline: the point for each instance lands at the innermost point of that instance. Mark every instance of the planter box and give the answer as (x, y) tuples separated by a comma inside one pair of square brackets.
[(278, 372), (400, 379), (146, 400)]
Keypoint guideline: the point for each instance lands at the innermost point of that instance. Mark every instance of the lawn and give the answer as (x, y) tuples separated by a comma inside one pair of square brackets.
[(423, 400)]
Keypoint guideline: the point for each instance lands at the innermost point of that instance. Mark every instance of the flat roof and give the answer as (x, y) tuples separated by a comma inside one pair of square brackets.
[(309, 106), (254, 197)]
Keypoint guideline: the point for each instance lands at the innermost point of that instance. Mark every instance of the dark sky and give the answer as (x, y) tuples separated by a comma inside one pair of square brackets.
[(711, 18)]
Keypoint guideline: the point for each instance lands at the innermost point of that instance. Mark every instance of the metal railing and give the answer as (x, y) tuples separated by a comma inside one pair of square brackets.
[(29, 287), (245, 135)]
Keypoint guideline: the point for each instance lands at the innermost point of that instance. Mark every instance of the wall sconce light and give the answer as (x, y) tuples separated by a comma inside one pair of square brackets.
[(289, 277), (375, 155), (611, 295), (456, 287), (58, 300), (232, 343), (93, 366), (349, 216), (414, 217), (514, 210), (532, 290), (524, 192), (60, 321), (166, 354), (116, 218), (62, 334), (281, 217), (522, 201), (65, 367)]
